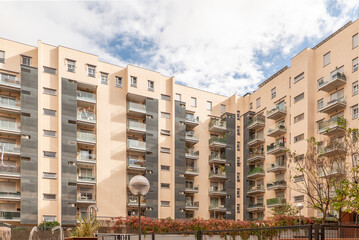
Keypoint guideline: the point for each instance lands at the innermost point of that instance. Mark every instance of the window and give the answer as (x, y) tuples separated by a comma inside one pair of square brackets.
[(320, 83), (49, 112), (165, 132), (299, 158), (50, 91), (133, 81), (299, 178), (238, 177), (238, 146), (355, 88), (165, 97), (49, 133), (258, 102), (320, 104), (165, 203), (193, 102), (209, 105), (50, 70), (49, 154), (355, 64), (165, 115), (298, 118), (48, 218), (49, 175), (290, 82), (274, 92), (299, 198), (238, 192), (299, 77), (91, 70), (165, 167), (26, 60), (165, 185), (48, 196), (238, 208), (355, 40), (178, 97), (104, 78), (238, 130), (299, 138), (298, 97), (238, 115), (2, 57), (238, 161), (150, 85), (326, 59), (70, 65), (223, 108), (355, 111), (165, 150), (118, 82)]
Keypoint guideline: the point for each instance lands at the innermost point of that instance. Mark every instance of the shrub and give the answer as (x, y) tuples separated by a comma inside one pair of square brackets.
[(48, 225)]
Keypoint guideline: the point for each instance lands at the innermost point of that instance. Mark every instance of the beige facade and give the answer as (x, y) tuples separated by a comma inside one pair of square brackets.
[(206, 155)]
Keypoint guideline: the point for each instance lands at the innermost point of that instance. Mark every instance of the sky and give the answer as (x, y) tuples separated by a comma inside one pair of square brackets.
[(224, 46)]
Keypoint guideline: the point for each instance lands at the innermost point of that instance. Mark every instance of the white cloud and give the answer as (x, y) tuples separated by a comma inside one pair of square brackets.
[(204, 44)]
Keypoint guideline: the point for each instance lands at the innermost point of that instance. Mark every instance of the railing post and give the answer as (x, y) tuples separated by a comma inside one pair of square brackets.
[(316, 232), (310, 232), (199, 235), (153, 236), (322, 232)]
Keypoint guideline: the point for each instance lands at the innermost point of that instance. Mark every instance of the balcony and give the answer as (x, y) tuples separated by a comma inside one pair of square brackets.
[(277, 112), (136, 165), (331, 126), (333, 150), (191, 138), (191, 189), (132, 201), (11, 105), (191, 171), (11, 172), (255, 140), (276, 132), (134, 127), (9, 127), (9, 81), (86, 198), (277, 185), (332, 105), (217, 142), (86, 179), (191, 154), (335, 171), (192, 121), (86, 158), (257, 172), (9, 216), (256, 157), (217, 158), (136, 146), (255, 207), (217, 175), (276, 167), (86, 96), (217, 126), (259, 189), (216, 191), (217, 208), (256, 122), (335, 80), (10, 196), (86, 137), (85, 116), (136, 109), (276, 148), (191, 205), (276, 202)]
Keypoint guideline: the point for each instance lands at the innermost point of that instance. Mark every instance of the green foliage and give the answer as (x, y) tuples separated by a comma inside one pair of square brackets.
[(86, 227), (285, 209), (48, 225), (19, 229)]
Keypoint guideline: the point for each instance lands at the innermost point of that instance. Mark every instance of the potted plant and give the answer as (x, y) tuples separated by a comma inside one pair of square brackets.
[(85, 229)]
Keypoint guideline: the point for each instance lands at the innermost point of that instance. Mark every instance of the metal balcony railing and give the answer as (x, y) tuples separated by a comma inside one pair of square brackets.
[(255, 170), (86, 178), (10, 195), (6, 215), (86, 137), (86, 96), (85, 115), (86, 157)]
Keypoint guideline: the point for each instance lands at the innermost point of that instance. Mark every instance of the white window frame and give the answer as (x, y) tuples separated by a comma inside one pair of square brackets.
[(118, 82), (209, 106), (2, 56), (193, 102), (355, 40), (104, 78), (355, 88), (150, 85), (274, 92), (71, 65), (133, 81), (326, 59), (91, 71), (26, 60), (355, 64)]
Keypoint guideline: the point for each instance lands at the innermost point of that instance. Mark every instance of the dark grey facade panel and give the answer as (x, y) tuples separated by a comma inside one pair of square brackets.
[(68, 152), (180, 159), (152, 157), (29, 146)]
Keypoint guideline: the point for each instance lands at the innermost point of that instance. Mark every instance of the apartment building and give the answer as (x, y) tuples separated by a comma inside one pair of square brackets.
[(74, 130)]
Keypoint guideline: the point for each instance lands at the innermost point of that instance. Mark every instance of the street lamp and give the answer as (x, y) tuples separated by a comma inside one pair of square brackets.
[(300, 206), (139, 186)]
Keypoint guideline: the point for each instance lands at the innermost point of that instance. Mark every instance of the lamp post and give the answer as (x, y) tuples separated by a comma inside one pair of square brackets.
[(299, 207), (139, 186)]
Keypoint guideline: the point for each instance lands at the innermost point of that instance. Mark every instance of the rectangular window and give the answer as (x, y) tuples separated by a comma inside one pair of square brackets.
[(50, 70), (299, 198), (223, 108), (91, 71), (49, 112), (133, 81), (165, 97), (104, 78), (48, 218), (70, 65), (150, 85), (238, 115), (165, 185), (326, 59), (49, 133), (165, 150), (320, 104), (299, 138), (2, 57), (320, 83), (299, 178), (118, 82), (165, 203), (238, 208), (355, 111), (238, 177), (165, 132), (49, 154), (48, 196), (209, 105), (298, 97), (258, 102), (355, 88), (49, 175), (238, 130), (355, 40), (238, 146), (274, 92), (355, 64), (165, 115), (299, 158), (238, 192), (178, 97), (298, 118), (250, 106), (50, 91), (25, 60), (299, 77), (165, 167), (193, 102), (238, 161)]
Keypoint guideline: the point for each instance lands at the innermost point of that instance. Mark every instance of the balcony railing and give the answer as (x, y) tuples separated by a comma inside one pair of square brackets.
[(277, 112), (10, 103), (9, 126), (331, 125), (192, 154), (84, 115), (216, 125), (191, 170), (191, 204), (86, 96), (86, 178), (275, 147), (331, 105), (217, 189), (190, 137), (217, 174), (256, 189), (192, 120), (218, 207), (276, 201), (133, 200), (86, 198), (192, 188), (10, 195), (280, 129), (135, 163), (333, 81), (86, 157), (255, 140), (9, 81), (255, 156), (5, 215), (257, 121), (255, 205), (86, 137), (136, 126), (217, 141), (136, 145), (10, 170), (279, 184), (334, 148), (276, 167), (217, 157), (256, 171), (136, 107)]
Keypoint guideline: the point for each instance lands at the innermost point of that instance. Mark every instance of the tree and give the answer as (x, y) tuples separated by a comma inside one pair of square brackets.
[(285, 209)]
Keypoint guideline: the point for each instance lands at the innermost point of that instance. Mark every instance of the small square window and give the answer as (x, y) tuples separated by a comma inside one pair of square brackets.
[(71, 65), (151, 85), (118, 82), (209, 105), (178, 97), (274, 92), (2, 57), (355, 64), (133, 81), (326, 59), (104, 78), (91, 71), (25, 60)]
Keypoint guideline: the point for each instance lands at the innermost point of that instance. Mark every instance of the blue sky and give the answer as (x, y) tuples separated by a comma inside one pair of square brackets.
[(225, 47)]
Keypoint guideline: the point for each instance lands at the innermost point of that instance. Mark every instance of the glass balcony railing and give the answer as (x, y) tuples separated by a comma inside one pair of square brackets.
[(334, 147), (9, 126), (191, 169), (217, 140), (86, 96), (275, 201), (328, 103), (275, 146), (136, 126), (255, 155), (86, 157), (9, 194), (217, 206), (133, 200), (10, 148), (275, 166), (10, 103), (217, 174), (135, 144), (276, 109), (191, 137), (192, 204), (84, 115), (192, 119), (256, 170), (86, 178), (254, 139), (278, 128), (85, 197), (335, 80), (256, 120), (331, 123), (136, 107), (255, 205), (277, 184), (221, 157), (190, 187), (218, 124), (256, 188), (192, 154), (5, 215), (86, 137), (135, 163), (217, 189), (9, 80)]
